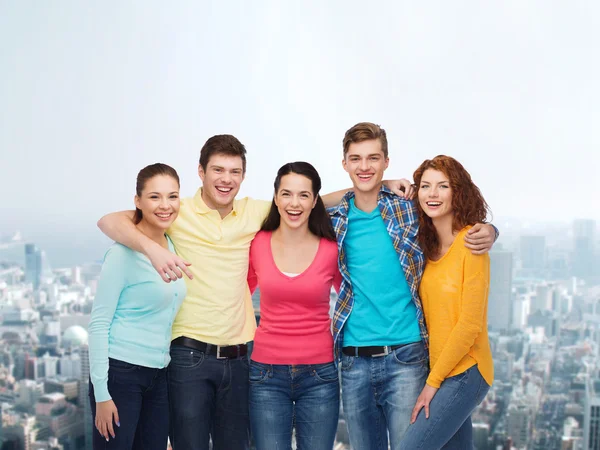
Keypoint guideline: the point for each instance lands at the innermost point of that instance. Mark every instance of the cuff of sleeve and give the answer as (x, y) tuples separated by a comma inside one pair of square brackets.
[(101, 393), (496, 231), (433, 382)]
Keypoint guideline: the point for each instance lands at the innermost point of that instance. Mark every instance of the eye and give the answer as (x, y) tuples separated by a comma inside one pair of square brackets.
[(154, 197), (374, 158), (174, 196), (285, 194), (423, 186), (444, 186), (304, 195)]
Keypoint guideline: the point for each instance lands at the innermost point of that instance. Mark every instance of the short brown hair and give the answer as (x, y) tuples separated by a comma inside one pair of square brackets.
[(365, 131), (222, 144)]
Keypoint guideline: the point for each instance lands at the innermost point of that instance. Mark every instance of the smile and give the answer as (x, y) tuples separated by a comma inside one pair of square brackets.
[(224, 190), (163, 216)]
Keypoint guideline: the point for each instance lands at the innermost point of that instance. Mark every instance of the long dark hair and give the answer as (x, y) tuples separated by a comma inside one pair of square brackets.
[(468, 203), (319, 223), (146, 174)]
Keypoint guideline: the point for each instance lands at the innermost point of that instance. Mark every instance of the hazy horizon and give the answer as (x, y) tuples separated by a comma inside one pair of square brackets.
[(92, 92)]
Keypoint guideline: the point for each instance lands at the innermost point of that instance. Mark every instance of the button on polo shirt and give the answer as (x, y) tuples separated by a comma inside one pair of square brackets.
[(217, 308)]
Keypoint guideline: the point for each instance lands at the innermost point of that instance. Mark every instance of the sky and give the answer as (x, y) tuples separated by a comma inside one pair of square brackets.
[(91, 92)]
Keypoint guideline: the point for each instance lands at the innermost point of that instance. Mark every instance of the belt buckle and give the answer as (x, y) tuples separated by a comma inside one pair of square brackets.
[(386, 351), (219, 353)]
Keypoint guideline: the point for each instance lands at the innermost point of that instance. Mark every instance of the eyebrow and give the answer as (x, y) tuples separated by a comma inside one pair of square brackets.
[(302, 192), (174, 192), (439, 182), (223, 168), (368, 156)]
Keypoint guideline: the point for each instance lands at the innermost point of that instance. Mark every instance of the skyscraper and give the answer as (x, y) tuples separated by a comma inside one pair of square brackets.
[(83, 396), (584, 231), (33, 265), (591, 416), (533, 252), (500, 296)]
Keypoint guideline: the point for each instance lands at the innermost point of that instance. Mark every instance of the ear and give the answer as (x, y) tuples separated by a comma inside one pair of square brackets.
[(275, 200), (387, 163), (201, 173), (136, 201), (315, 201), (344, 164)]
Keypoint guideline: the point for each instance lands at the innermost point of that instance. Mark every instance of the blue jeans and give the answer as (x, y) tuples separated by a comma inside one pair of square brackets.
[(208, 398), (282, 397), (379, 394), (449, 424), (140, 395)]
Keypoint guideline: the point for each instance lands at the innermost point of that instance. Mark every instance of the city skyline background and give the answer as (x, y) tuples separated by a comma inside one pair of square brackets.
[(93, 92)]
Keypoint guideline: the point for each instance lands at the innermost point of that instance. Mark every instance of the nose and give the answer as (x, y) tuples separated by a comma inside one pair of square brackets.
[(295, 201), (364, 164), (226, 177), (164, 203), (433, 192)]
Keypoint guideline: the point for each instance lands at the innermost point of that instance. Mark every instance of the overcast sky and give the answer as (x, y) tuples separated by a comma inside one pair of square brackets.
[(90, 92)]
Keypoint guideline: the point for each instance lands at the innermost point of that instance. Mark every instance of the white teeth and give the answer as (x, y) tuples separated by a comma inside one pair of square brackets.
[(294, 213), (223, 189), (164, 215), (434, 203)]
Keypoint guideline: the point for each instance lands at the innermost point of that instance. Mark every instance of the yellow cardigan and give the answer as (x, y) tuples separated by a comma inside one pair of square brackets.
[(454, 292)]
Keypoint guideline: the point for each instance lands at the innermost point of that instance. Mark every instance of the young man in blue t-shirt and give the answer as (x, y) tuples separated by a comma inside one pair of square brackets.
[(378, 326)]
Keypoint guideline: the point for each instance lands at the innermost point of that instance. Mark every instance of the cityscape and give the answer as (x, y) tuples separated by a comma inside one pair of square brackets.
[(544, 324)]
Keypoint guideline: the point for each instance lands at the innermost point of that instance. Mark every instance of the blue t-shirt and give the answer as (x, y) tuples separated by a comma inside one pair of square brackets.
[(383, 312), (132, 315)]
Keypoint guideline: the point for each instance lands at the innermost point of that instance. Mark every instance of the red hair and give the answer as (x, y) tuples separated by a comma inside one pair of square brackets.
[(468, 205)]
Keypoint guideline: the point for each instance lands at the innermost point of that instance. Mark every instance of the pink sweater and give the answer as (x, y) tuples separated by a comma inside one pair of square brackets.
[(295, 327)]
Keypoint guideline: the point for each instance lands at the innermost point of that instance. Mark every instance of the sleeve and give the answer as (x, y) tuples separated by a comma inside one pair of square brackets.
[(252, 278), (110, 285), (471, 320)]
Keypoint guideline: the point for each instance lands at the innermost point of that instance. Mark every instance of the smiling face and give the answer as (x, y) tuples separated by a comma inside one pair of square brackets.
[(295, 200), (221, 180), (159, 201), (435, 194), (365, 162)]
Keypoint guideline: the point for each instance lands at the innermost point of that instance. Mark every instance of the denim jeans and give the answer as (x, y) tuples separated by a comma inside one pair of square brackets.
[(449, 424), (208, 398), (282, 397), (140, 395), (379, 394)]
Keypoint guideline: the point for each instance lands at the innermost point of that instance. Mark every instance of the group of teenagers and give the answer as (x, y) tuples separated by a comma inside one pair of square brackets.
[(174, 348)]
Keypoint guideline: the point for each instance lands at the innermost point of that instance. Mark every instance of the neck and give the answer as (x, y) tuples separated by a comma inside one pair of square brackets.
[(222, 210), (292, 235), (154, 233), (444, 229), (366, 201)]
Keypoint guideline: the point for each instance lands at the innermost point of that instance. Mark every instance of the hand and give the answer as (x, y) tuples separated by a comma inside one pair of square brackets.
[(168, 265), (106, 412), (423, 402), (480, 238), (402, 188)]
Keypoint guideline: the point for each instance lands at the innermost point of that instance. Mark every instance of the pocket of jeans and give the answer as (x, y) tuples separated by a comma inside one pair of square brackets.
[(326, 373), (185, 357), (258, 372), (347, 362), (117, 365), (411, 354)]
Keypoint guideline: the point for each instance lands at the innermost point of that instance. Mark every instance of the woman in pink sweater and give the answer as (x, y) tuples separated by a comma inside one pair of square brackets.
[(293, 260)]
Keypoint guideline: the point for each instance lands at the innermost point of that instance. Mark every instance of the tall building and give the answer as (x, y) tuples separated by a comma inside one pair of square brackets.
[(591, 416), (500, 301), (584, 231), (33, 265), (533, 252), (84, 354), (519, 424)]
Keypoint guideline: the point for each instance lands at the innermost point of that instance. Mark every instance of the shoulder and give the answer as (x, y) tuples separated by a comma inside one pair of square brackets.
[(260, 242), (118, 252), (252, 207), (466, 252)]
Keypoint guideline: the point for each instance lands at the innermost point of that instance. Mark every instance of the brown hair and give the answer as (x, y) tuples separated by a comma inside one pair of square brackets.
[(222, 144), (468, 204), (365, 131), (146, 174)]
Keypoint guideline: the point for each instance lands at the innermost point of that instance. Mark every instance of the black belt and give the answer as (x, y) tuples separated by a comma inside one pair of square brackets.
[(374, 350), (220, 351)]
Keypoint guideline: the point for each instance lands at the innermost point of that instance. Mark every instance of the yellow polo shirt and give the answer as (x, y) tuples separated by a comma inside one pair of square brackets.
[(217, 308)]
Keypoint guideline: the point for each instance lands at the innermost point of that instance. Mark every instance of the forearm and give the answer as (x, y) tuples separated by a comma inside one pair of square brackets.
[(120, 228), (334, 198)]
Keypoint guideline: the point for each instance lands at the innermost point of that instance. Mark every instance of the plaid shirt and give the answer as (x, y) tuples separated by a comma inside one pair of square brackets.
[(401, 220)]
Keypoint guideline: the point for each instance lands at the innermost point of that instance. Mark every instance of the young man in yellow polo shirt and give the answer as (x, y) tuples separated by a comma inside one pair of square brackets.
[(208, 373)]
